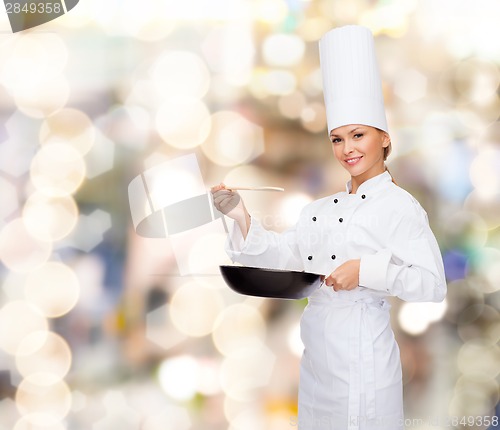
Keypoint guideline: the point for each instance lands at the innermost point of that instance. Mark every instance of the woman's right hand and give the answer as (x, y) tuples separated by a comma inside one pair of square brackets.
[(228, 202)]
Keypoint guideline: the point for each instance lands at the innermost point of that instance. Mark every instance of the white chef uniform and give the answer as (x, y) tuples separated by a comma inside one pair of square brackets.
[(350, 375)]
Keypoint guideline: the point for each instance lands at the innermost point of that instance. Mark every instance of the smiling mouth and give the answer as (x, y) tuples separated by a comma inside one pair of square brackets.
[(353, 160)]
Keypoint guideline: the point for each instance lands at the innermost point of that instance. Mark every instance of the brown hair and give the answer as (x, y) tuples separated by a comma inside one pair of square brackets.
[(387, 151)]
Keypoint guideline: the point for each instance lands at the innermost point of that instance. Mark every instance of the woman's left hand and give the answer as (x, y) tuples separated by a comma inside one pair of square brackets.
[(344, 277)]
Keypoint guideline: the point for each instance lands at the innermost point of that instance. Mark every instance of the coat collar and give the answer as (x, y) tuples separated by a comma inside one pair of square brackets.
[(370, 184)]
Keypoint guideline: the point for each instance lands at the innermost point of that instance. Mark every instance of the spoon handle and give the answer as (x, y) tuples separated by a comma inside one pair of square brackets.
[(256, 188)]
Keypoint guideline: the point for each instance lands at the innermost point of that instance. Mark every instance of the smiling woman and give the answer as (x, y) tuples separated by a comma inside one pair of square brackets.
[(350, 374)]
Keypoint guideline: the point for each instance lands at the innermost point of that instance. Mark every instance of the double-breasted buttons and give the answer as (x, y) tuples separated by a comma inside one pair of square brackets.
[(335, 200), (314, 218), (310, 257), (333, 257), (363, 196), (341, 219)]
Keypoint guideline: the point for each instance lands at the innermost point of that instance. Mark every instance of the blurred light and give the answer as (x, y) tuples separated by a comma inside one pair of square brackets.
[(43, 399), (233, 139), (479, 322), (22, 319), (49, 219), (43, 352), (26, 422), (45, 97), (294, 341), (69, 126), (57, 170), (249, 419), (219, 10), (279, 82), (119, 414), (415, 318), (292, 206), (283, 50), (410, 85), (9, 199), (19, 250), (233, 408), (17, 151), (451, 181), (390, 17), (478, 351), (485, 262), (487, 207), (172, 417), (78, 401), (485, 172), (89, 231), (270, 11), (312, 84), (443, 128), (173, 181), (208, 380), (245, 370), (475, 80), (101, 156), (183, 122), (238, 326), (313, 117), (27, 60), (194, 309), (127, 125), (180, 73), (292, 105), (476, 121), (207, 253), (144, 21), (160, 330), (53, 288), (230, 50), (493, 332), (455, 265), (178, 377), (474, 397), (312, 29), (465, 230)]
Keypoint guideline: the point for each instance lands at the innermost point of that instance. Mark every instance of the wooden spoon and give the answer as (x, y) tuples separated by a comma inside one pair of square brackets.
[(255, 188)]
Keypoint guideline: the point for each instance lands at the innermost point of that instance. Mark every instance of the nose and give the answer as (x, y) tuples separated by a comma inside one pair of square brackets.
[(348, 147)]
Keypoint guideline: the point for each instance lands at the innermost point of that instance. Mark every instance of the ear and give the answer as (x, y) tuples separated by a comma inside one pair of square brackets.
[(386, 139)]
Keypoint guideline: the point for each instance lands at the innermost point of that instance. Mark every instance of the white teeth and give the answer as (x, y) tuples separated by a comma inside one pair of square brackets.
[(353, 160)]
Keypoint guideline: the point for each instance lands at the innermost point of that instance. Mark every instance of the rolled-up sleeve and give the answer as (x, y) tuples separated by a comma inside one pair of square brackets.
[(264, 248), (410, 266)]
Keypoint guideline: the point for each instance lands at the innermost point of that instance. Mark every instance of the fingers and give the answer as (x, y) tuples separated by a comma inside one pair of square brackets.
[(225, 201), (335, 282), (219, 187)]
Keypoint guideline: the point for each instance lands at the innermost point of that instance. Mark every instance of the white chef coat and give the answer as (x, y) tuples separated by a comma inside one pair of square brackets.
[(350, 374)]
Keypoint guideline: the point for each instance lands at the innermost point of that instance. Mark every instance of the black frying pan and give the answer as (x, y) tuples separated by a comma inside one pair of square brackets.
[(279, 284)]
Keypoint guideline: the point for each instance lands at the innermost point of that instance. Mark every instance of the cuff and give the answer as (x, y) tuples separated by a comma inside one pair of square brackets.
[(235, 243), (373, 270)]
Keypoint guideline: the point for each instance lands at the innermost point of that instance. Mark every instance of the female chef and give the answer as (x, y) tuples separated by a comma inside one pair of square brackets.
[(370, 241)]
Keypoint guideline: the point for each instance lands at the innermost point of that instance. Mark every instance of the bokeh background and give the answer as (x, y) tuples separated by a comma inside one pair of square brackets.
[(98, 327)]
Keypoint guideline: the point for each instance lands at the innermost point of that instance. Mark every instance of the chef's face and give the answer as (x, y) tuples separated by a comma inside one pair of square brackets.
[(360, 149)]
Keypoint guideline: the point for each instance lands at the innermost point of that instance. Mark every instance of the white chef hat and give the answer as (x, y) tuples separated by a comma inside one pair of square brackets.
[(351, 78)]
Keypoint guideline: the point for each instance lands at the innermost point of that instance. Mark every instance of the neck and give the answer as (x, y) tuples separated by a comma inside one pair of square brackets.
[(356, 181)]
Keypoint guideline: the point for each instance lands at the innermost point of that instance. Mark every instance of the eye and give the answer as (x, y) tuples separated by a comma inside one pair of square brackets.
[(358, 135), (336, 140)]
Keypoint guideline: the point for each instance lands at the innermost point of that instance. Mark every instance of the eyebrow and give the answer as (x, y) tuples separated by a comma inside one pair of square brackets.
[(352, 131)]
